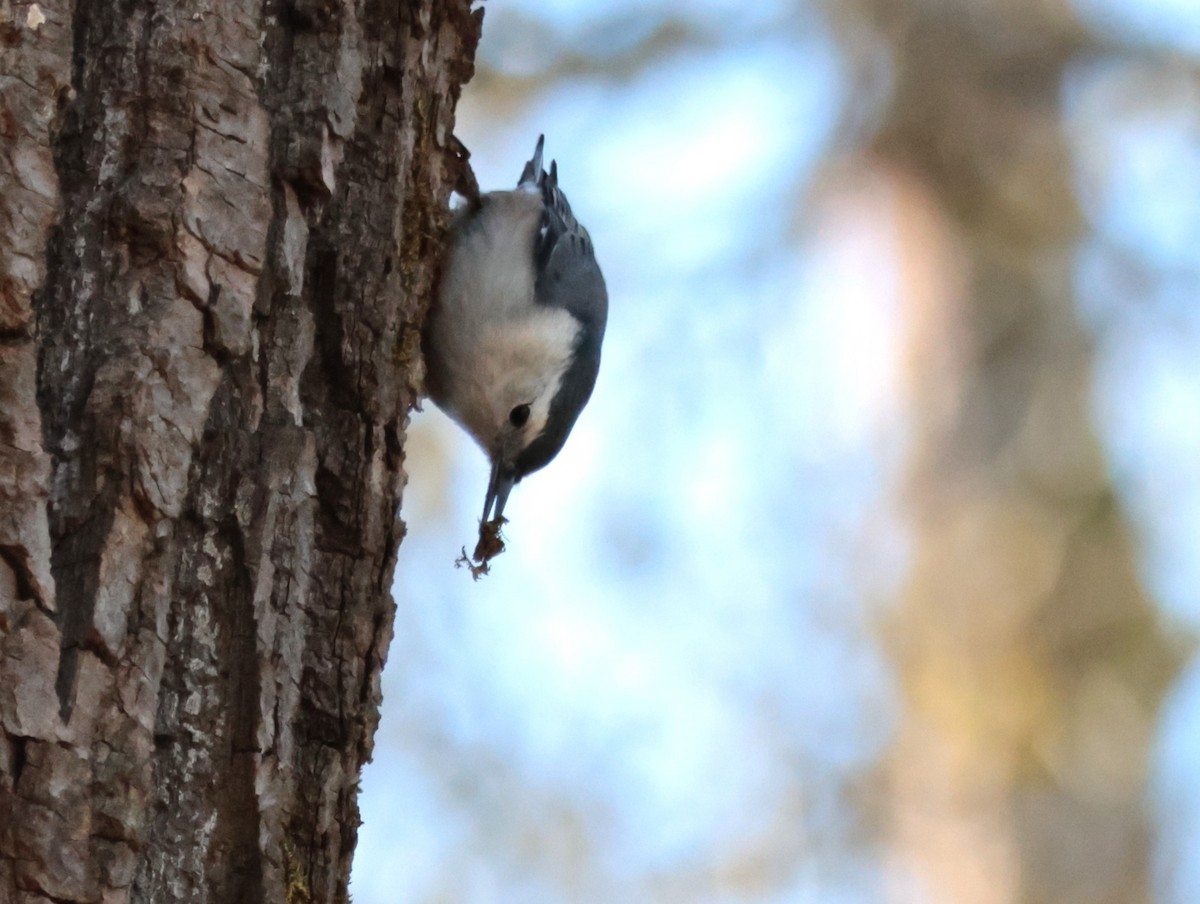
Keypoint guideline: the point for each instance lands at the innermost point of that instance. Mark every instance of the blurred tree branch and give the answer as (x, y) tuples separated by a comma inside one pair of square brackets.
[(1031, 659)]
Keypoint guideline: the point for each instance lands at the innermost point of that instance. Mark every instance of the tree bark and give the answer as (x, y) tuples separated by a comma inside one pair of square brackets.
[(220, 224)]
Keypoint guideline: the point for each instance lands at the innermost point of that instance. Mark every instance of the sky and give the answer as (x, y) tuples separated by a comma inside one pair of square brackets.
[(674, 657)]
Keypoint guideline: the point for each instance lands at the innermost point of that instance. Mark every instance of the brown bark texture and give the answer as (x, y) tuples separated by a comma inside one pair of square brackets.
[(220, 224)]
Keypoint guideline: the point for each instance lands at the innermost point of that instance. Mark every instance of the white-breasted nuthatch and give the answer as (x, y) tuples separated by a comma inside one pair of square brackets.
[(512, 343)]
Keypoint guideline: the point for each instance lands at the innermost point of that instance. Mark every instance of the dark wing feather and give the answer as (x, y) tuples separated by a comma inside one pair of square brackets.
[(564, 260), (568, 277)]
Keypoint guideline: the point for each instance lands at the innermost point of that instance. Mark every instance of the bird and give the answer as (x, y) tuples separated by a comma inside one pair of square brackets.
[(512, 340)]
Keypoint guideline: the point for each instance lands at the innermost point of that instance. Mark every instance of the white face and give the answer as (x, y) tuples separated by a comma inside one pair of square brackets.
[(524, 367)]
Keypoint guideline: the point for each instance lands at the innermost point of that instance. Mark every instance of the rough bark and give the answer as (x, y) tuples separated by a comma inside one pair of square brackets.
[(219, 227)]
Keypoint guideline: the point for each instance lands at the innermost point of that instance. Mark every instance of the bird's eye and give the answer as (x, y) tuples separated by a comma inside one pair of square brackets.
[(519, 415)]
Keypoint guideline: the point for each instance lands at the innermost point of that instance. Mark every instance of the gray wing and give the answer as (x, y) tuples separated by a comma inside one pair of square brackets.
[(568, 276)]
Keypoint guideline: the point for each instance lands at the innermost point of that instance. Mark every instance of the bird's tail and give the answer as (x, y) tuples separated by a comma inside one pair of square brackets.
[(533, 175)]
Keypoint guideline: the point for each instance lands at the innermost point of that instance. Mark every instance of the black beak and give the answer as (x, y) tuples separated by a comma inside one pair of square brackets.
[(499, 487)]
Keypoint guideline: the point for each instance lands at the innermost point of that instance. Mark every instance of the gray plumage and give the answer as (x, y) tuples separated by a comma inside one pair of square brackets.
[(512, 344)]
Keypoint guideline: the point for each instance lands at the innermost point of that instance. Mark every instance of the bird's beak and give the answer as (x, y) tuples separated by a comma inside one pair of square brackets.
[(499, 487)]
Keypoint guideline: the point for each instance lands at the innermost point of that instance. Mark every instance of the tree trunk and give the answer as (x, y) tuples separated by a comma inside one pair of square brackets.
[(219, 229), (1031, 659)]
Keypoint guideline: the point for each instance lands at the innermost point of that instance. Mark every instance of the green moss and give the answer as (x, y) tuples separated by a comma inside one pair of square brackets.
[(296, 887)]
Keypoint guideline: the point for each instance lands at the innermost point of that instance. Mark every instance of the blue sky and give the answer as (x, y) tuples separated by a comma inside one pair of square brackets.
[(703, 562)]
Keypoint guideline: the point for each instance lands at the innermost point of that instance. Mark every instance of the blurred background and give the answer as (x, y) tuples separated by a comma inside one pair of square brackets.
[(872, 571)]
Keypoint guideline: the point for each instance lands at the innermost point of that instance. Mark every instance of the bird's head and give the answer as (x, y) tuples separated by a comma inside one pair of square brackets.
[(534, 402)]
